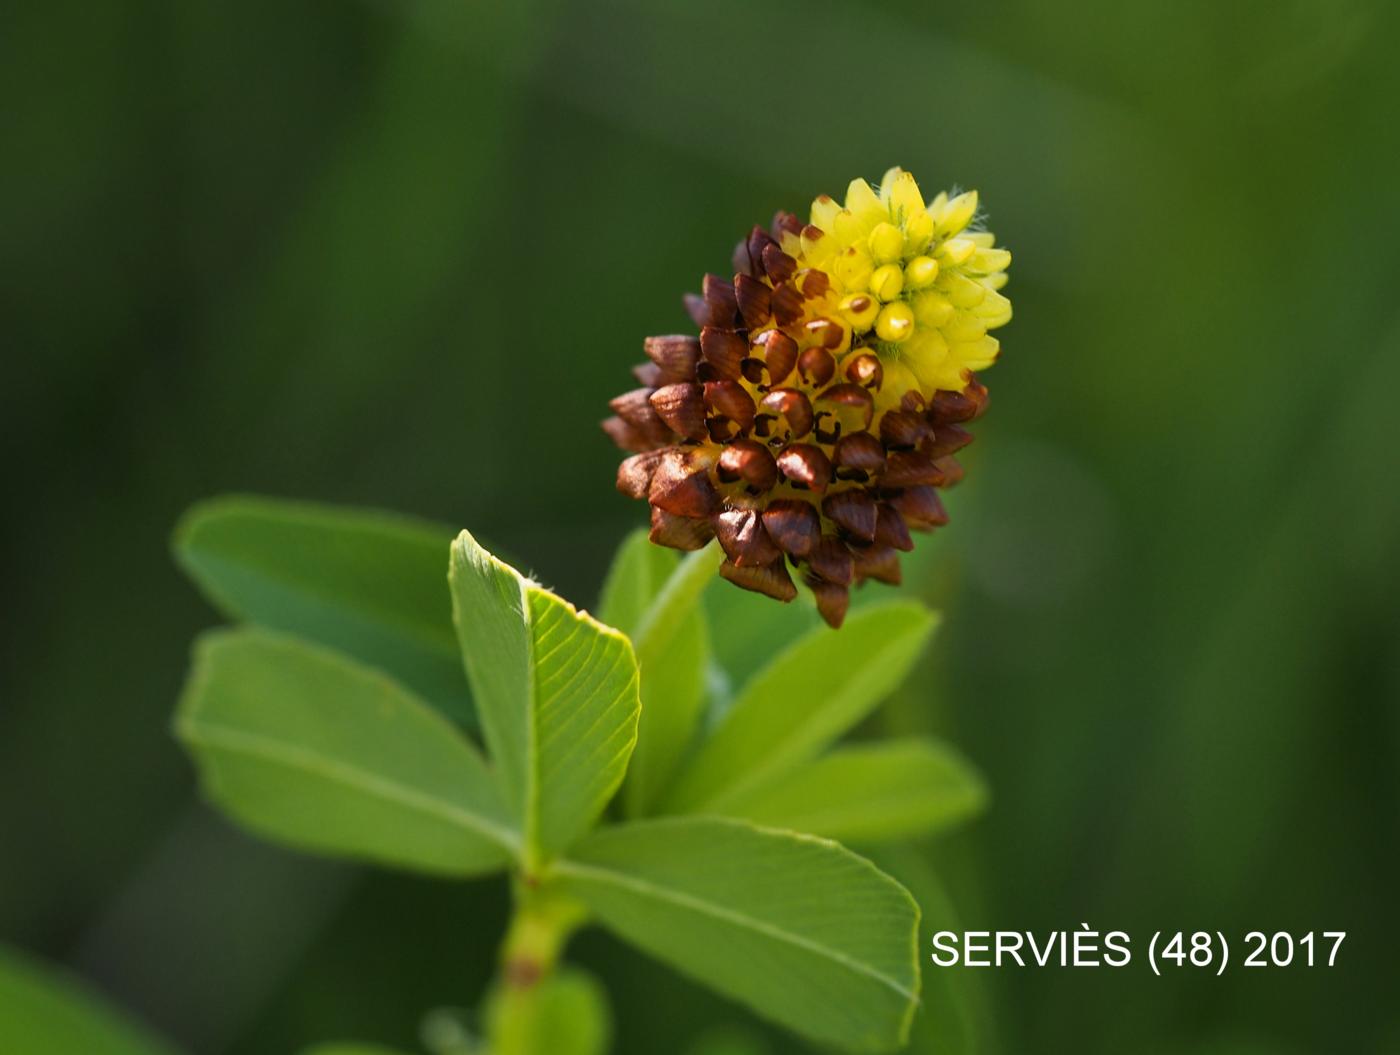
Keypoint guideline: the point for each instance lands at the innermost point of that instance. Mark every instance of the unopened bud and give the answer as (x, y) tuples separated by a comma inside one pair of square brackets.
[(896, 322), (860, 310), (920, 272), (887, 282), (886, 243)]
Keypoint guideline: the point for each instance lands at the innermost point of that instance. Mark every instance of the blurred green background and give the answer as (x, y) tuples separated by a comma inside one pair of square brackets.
[(401, 254)]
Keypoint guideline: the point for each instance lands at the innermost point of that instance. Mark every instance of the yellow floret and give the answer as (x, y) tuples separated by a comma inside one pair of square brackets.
[(917, 282)]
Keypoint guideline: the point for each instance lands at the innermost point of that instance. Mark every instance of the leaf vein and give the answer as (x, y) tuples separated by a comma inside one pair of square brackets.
[(237, 740), (682, 900)]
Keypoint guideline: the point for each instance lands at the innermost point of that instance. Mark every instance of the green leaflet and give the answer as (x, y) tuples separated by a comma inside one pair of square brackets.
[(45, 1012), (313, 748), (955, 1018), (565, 1014), (310, 748), (802, 701), (798, 928), (491, 614), (556, 694), (746, 628), (365, 583), (865, 793), (638, 572), (340, 1048), (652, 595)]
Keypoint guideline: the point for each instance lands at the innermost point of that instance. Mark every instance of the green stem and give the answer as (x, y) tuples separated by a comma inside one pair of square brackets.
[(542, 923), (540, 926)]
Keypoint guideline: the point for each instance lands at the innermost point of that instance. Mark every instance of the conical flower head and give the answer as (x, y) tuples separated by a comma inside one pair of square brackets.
[(789, 428)]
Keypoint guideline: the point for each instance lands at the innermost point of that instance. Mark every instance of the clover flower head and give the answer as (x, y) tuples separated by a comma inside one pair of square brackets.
[(811, 422)]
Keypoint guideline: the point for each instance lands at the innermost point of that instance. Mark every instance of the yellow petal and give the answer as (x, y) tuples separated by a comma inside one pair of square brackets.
[(958, 213), (863, 201), (852, 269), (955, 251), (824, 210), (975, 355), (932, 308), (816, 246), (963, 327), (994, 311), (918, 233), (951, 377), (899, 379), (961, 290), (987, 261), (904, 197), (850, 229), (887, 181), (925, 353)]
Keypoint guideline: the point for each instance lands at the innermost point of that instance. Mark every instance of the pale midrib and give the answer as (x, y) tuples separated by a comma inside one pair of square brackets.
[(217, 736), (683, 900)]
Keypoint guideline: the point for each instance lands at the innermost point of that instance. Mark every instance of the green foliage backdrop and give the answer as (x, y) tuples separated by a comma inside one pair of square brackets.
[(401, 253)]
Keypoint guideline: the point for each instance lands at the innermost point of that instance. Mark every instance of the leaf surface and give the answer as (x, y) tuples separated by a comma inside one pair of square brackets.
[(310, 748), (798, 928), (956, 1015), (638, 571), (45, 1012), (803, 700), (365, 583), (653, 595), (746, 627), (865, 793), (556, 695)]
